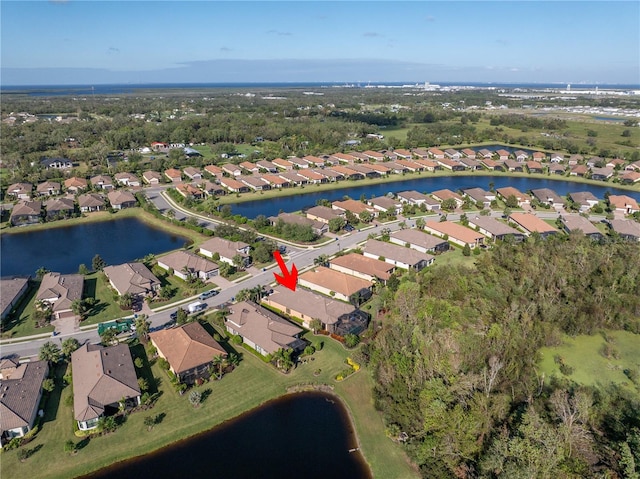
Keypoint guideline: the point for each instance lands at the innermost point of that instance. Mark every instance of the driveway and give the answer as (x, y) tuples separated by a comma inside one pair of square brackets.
[(66, 326)]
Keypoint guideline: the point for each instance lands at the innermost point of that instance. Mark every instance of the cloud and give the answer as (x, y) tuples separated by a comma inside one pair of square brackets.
[(372, 34), (225, 49), (503, 42), (279, 33), (113, 50), (430, 19)]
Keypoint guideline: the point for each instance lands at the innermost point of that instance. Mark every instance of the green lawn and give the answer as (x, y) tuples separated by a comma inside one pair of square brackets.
[(250, 385), (20, 322), (590, 366)]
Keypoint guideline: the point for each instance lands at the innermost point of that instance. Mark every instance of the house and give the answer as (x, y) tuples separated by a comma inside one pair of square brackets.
[(557, 158), (623, 204), (323, 214), (635, 166), (91, 202), (275, 181), (436, 153), (530, 223), (151, 177), (189, 191), (249, 167), (12, 287), (405, 258), (191, 152), (132, 278), (410, 165), (484, 154), (355, 207), (336, 316), (451, 164), (396, 167), (214, 170), (556, 169), (366, 171), (534, 166), (226, 249), (255, 183), (428, 165), (595, 161), (56, 163), (507, 191), (348, 173), (336, 284), (444, 195), (512, 165), (298, 163), (521, 156), (121, 199), (494, 229), (283, 164), (186, 265), (262, 330), (293, 177), (313, 177), (103, 377), (193, 173), (59, 208), (626, 229), (60, 291), (26, 213), (469, 153), (452, 154), (332, 175), (359, 156), (48, 188), (75, 185), (470, 163), (579, 170), (584, 199), (173, 175), (575, 160), (455, 233), (314, 161), (630, 177), (601, 174), (489, 164), (572, 223), (380, 168), (480, 196), (318, 227), (127, 179), (20, 191), (384, 203), (413, 197), (503, 155), (102, 182), (267, 166), (361, 266), (212, 189), (21, 391), (419, 241), (374, 155), (548, 196), (159, 146), (234, 186), (539, 156), (189, 349)]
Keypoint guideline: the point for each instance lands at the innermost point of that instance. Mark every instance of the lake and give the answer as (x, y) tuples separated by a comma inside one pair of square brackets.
[(63, 249), (251, 209), (301, 435)]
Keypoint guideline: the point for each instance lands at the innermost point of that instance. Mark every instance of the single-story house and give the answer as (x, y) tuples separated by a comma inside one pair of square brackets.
[(435, 153), (336, 284), (59, 208), (193, 173), (512, 165), (121, 199), (361, 266), (580, 223), (173, 175), (267, 166), (283, 164), (413, 197), (585, 199), (557, 169), (20, 191), (21, 387), (12, 287), (507, 191), (534, 166), (318, 227), (255, 183), (75, 185), (60, 291), (419, 241), (91, 202), (127, 179), (623, 204), (321, 213), (384, 203), (226, 249), (298, 162), (456, 233), (548, 196), (234, 186), (356, 207), (263, 330), (189, 191), (443, 195), (630, 177), (275, 181), (189, 349), (48, 188), (626, 229), (57, 163), (103, 182), (530, 223), (132, 278), (405, 258), (494, 229), (185, 264), (214, 170), (102, 378), (26, 213), (151, 177), (480, 196), (602, 174)]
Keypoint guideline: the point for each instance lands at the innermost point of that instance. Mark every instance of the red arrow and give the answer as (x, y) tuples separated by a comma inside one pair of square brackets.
[(287, 279)]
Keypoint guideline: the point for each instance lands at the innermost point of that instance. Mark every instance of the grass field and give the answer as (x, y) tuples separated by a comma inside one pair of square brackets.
[(250, 385), (590, 366)]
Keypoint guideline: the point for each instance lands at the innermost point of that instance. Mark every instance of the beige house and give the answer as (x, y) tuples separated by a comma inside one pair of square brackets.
[(530, 223), (121, 199), (12, 287), (60, 291), (358, 265), (152, 177), (321, 213), (75, 185), (21, 386), (335, 283), (132, 278), (91, 202), (226, 249), (48, 188), (262, 330), (102, 378), (419, 241), (399, 256), (185, 264), (456, 233), (189, 350)]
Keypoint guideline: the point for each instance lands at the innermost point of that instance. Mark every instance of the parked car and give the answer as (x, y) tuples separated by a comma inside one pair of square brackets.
[(348, 227), (208, 294), (173, 316)]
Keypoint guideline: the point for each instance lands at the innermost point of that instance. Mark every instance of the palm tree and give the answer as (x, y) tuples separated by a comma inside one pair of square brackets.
[(142, 327), (69, 345), (233, 360), (50, 352), (218, 362)]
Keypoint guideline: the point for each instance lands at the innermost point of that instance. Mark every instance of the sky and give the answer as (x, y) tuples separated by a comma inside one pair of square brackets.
[(78, 42)]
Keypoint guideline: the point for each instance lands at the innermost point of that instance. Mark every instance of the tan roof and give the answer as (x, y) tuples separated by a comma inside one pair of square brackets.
[(63, 289), (396, 253), (446, 195), (226, 249), (213, 169), (626, 227), (178, 260), (454, 230), (274, 179), (335, 281), (101, 180), (577, 222), (90, 200), (323, 212), (379, 167), (173, 173), (27, 208), (47, 186), (279, 162), (493, 226), (262, 327), (119, 197), (418, 238), (232, 184), (510, 190), (75, 182), (20, 394), (187, 346), (354, 206), (343, 170), (101, 376), (362, 264), (134, 278), (532, 223), (623, 202), (151, 175), (310, 304), (11, 287)]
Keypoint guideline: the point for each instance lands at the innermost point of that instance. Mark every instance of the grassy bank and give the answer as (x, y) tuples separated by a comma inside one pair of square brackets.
[(346, 185), (251, 384)]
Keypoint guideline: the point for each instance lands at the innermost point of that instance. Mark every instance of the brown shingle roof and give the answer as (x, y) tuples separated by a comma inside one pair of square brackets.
[(20, 394)]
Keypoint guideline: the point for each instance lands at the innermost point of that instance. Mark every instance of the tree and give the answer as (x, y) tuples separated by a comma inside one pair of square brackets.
[(466, 250), (97, 263), (48, 385), (109, 336), (142, 325), (420, 222), (336, 224), (238, 261), (126, 301), (143, 384), (70, 446), (50, 352), (351, 340), (69, 345), (149, 421), (218, 364), (182, 316), (79, 308), (40, 272), (195, 397), (321, 260), (366, 216), (449, 204), (82, 269), (315, 324), (511, 201), (283, 359)]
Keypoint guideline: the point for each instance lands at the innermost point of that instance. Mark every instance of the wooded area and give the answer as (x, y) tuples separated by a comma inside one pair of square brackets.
[(456, 369)]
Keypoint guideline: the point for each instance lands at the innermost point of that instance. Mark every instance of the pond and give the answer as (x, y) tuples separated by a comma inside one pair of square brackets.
[(272, 207), (63, 249), (301, 435)]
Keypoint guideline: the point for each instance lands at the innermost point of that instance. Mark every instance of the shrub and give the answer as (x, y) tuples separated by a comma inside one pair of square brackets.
[(69, 446), (351, 340)]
